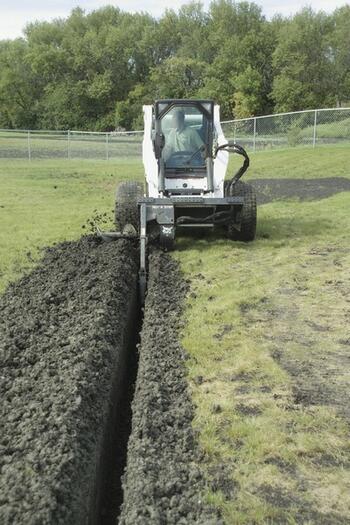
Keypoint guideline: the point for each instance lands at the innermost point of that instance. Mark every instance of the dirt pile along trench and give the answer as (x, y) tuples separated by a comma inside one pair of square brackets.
[(163, 483), (65, 330)]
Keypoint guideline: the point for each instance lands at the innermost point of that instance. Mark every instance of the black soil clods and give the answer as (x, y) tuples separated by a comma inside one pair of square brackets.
[(67, 331), (162, 483), (63, 345)]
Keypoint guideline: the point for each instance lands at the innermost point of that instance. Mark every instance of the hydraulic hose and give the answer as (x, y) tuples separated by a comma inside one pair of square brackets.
[(236, 148)]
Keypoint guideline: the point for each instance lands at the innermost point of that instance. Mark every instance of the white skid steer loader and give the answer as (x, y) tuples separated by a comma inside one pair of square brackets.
[(185, 156)]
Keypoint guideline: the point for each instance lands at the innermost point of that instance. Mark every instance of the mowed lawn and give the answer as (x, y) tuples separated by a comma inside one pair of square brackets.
[(267, 332), (46, 201), (269, 343), (42, 202)]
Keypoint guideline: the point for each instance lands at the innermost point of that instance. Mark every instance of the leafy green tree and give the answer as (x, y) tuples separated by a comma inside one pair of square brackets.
[(339, 54), (95, 70), (301, 62), (19, 91), (129, 112), (192, 26), (239, 35), (247, 98), (177, 77)]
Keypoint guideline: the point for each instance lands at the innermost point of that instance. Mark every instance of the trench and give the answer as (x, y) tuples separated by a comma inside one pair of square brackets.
[(92, 431), (150, 470), (118, 429), (163, 482)]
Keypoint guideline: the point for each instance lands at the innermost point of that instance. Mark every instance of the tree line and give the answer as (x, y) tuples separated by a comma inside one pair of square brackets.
[(94, 71)]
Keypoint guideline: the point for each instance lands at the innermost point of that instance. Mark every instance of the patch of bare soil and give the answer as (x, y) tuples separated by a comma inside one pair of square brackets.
[(282, 498), (307, 331), (269, 190), (320, 377)]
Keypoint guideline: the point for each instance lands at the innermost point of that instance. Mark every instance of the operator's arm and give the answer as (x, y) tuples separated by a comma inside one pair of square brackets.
[(169, 146), (196, 139)]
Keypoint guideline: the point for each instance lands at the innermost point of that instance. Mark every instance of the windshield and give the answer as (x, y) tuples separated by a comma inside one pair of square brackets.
[(185, 130)]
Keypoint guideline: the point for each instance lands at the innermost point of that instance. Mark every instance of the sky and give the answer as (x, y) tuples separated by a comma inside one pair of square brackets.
[(15, 14)]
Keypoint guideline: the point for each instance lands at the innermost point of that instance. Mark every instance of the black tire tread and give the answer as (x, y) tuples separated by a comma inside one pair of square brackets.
[(126, 209), (248, 213)]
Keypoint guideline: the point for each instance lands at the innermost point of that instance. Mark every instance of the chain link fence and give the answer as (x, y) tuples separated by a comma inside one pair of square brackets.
[(285, 130), (33, 145)]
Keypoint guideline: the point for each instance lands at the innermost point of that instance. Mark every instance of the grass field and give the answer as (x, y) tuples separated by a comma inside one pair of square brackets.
[(268, 336), (267, 329), (48, 201), (332, 130)]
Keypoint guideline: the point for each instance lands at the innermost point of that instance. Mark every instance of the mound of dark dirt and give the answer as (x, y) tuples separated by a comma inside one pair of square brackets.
[(63, 339), (303, 189), (163, 483)]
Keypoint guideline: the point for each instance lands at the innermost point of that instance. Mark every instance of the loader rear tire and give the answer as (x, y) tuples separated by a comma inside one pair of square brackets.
[(126, 209), (248, 213)]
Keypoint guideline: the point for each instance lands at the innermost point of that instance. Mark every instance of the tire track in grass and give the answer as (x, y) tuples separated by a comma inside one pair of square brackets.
[(268, 339)]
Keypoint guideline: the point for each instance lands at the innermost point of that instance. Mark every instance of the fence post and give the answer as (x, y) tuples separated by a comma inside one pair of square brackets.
[(107, 147), (29, 149), (68, 145), (254, 139), (315, 129)]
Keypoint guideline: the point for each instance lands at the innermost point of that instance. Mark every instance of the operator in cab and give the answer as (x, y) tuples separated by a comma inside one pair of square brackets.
[(181, 137)]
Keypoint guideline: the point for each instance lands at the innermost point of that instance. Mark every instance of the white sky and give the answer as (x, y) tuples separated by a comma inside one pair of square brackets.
[(15, 14)]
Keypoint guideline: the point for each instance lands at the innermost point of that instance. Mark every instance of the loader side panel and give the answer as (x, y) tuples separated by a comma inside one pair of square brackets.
[(149, 160)]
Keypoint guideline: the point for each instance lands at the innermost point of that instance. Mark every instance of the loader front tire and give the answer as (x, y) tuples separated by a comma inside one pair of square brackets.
[(126, 209), (248, 213)]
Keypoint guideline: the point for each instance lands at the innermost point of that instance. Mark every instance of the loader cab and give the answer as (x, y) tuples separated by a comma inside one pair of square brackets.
[(183, 136)]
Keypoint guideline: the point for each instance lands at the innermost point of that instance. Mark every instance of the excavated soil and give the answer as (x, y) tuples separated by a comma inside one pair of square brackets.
[(269, 190), (66, 330), (162, 483)]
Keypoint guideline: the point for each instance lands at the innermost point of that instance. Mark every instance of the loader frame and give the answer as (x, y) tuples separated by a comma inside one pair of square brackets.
[(191, 194), (164, 212)]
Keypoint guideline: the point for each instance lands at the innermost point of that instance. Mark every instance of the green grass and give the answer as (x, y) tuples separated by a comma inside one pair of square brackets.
[(250, 301), (300, 163), (339, 129), (48, 201), (285, 294), (248, 304), (323, 161)]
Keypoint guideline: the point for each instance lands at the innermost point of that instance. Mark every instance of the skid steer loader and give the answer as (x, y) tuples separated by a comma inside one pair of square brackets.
[(185, 156)]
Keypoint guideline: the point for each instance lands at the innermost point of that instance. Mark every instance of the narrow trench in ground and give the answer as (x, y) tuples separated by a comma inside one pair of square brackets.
[(111, 492)]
